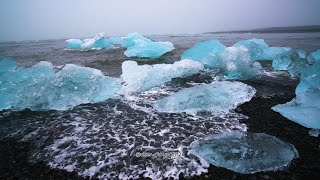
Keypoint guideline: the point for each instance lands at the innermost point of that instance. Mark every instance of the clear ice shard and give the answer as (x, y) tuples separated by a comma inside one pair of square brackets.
[(293, 61), (256, 48), (149, 49), (314, 57), (217, 97), (41, 88), (310, 78), (141, 78), (134, 38), (304, 109), (243, 152), (206, 52), (7, 64), (235, 63), (74, 43)]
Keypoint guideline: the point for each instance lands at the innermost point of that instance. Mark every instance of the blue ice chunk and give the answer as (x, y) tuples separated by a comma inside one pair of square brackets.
[(7, 64), (98, 42), (115, 40), (235, 63), (272, 52), (244, 153), (314, 132), (314, 57), (133, 39), (149, 49), (217, 97), (293, 61), (141, 78), (206, 52), (74, 43), (304, 109), (256, 48), (310, 78), (41, 88)]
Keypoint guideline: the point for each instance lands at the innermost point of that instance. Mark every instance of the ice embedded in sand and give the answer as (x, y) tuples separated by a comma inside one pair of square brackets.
[(293, 61), (256, 48), (140, 78), (304, 109), (206, 52), (41, 88), (244, 153), (217, 97), (235, 63), (314, 57), (149, 49)]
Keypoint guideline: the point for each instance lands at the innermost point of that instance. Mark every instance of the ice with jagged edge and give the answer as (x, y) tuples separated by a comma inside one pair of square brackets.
[(97, 42), (293, 61), (133, 39), (244, 153), (314, 57), (235, 63), (217, 97), (149, 49), (41, 88), (256, 48), (140, 78), (272, 52), (310, 78), (206, 52), (304, 109)]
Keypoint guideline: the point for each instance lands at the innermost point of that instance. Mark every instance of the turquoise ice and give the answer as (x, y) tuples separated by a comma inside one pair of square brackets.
[(115, 40), (256, 48), (134, 38), (149, 49), (293, 61), (304, 109), (272, 52), (235, 63), (141, 78), (41, 88), (98, 42), (310, 78), (74, 43), (206, 52), (314, 57), (7, 64), (217, 97), (244, 153)]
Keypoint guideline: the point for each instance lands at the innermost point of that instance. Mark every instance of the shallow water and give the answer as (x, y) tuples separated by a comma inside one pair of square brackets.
[(103, 139)]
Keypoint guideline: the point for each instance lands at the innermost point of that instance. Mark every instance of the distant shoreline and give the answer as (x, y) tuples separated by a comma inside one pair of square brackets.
[(291, 29)]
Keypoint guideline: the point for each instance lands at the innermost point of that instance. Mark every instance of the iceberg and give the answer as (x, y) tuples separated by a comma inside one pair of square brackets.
[(7, 64), (304, 109), (293, 61), (206, 52), (272, 52), (244, 153), (98, 42), (149, 49), (314, 57), (256, 48), (235, 63), (41, 88), (141, 78), (217, 97), (310, 78), (74, 43), (115, 40), (134, 38)]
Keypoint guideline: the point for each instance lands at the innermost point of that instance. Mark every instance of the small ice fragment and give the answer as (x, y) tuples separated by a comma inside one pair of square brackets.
[(314, 132)]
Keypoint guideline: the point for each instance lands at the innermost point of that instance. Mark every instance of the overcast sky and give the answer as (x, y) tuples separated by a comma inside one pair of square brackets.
[(50, 19)]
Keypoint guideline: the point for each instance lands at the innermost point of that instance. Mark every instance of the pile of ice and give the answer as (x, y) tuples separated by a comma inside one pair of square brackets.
[(305, 107), (97, 42), (41, 88), (293, 61), (244, 153), (141, 78), (142, 47), (217, 97), (206, 52)]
